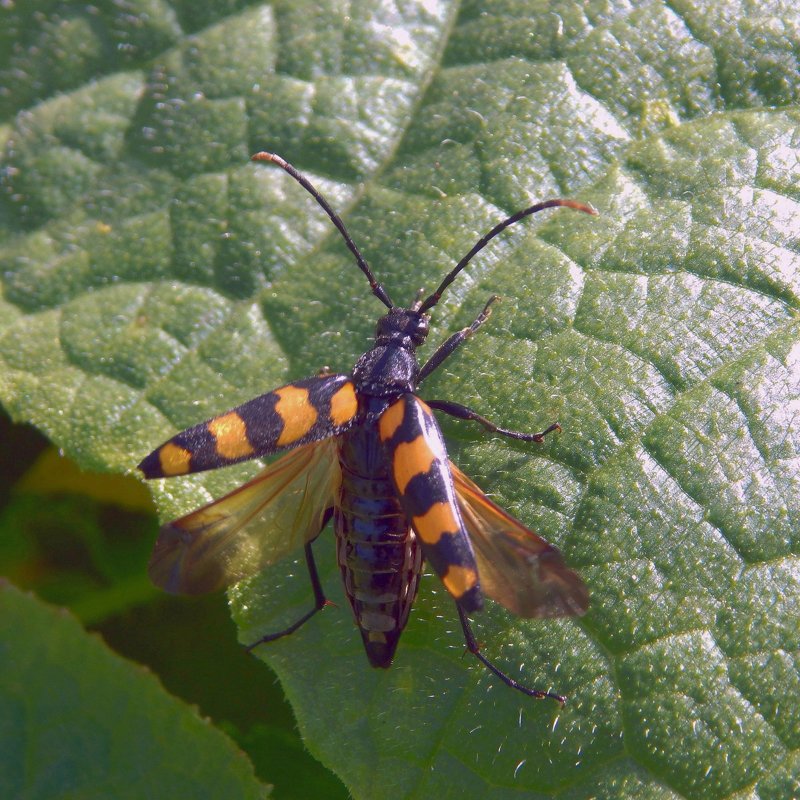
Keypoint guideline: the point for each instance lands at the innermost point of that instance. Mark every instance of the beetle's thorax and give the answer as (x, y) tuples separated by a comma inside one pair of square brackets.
[(390, 368)]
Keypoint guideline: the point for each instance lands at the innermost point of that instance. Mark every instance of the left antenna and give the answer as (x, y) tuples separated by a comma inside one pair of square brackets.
[(377, 288)]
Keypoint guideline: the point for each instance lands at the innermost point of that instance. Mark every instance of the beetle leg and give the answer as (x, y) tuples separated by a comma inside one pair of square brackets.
[(462, 412), (446, 349), (474, 648), (319, 595)]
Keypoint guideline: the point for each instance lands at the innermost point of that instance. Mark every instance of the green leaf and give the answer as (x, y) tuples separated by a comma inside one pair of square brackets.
[(153, 277), (78, 721)]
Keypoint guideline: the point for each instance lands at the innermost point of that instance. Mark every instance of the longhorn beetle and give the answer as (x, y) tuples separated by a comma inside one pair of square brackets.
[(367, 452)]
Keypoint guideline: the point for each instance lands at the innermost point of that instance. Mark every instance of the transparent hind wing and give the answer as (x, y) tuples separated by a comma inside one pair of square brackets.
[(257, 524), (517, 568)]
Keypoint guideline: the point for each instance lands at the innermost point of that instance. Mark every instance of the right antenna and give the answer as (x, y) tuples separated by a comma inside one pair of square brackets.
[(483, 241)]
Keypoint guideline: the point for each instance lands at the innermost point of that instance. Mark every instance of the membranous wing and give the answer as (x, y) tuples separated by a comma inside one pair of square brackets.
[(517, 568), (257, 524)]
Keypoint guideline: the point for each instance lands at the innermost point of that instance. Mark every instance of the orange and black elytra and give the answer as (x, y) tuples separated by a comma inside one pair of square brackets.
[(367, 452)]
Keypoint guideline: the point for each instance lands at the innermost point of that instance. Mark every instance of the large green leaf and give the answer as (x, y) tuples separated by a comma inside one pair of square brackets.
[(152, 277)]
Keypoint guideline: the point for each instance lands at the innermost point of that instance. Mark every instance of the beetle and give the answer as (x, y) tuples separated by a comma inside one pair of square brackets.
[(367, 452)]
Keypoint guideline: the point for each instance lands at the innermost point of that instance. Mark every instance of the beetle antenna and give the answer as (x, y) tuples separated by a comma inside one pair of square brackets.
[(483, 241), (377, 288)]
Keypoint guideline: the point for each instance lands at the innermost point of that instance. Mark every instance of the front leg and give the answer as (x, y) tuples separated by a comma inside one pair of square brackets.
[(443, 351), (462, 412)]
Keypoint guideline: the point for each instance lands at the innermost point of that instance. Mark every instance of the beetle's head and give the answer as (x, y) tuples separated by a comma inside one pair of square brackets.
[(403, 325)]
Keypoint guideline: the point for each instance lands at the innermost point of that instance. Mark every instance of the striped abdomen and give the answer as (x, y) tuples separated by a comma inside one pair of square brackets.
[(378, 553)]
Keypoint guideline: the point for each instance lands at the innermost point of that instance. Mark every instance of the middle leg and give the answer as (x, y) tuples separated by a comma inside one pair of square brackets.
[(462, 412)]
